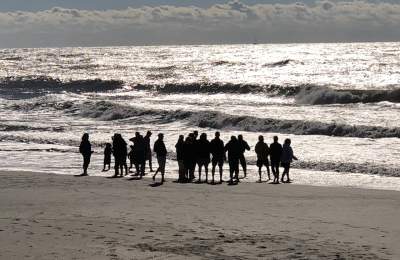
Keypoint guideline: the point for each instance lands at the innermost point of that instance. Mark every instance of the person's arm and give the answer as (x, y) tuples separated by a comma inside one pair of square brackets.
[(247, 147)]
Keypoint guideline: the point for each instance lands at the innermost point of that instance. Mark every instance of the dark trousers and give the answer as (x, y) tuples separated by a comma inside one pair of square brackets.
[(234, 168), (275, 168), (243, 163)]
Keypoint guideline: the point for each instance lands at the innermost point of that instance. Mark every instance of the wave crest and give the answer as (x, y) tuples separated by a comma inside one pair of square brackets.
[(29, 87)]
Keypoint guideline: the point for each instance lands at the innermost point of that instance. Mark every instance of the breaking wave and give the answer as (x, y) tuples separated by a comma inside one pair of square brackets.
[(303, 94), (29, 87), (109, 111)]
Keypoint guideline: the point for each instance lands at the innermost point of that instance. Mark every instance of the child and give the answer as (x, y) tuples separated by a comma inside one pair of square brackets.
[(107, 157)]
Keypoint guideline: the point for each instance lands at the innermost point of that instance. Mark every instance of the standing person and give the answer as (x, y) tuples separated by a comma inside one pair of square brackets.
[(286, 159), (233, 149), (218, 155), (148, 150), (189, 157), (107, 157), (120, 154), (85, 148), (275, 155), (203, 155), (161, 152), (243, 147), (139, 154), (180, 146), (262, 152)]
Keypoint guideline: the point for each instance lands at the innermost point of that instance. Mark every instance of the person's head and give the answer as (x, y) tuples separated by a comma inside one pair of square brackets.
[(261, 138), (181, 138), (276, 139), (149, 133), (240, 137), (137, 134), (217, 135), (108, 145), (196, 134), (85, 137), (288, 141), (191, 135), (233, 138), (160, 136), (203, 136)]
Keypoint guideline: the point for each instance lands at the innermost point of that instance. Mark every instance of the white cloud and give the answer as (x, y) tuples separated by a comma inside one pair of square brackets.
[(230, 22)]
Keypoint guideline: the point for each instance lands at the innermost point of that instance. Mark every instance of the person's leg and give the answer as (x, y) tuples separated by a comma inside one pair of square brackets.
[(287, 172), (199, 164), (259, 173), (116, 168), (237, 170), (231, 170), (213, 171), (126, 168), (150, 163), (206, 171), (273, 170), (163, 162), (243, 164), (220, 171), (284, 165)]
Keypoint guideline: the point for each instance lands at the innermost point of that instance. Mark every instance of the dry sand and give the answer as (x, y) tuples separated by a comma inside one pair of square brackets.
[(63, 217)]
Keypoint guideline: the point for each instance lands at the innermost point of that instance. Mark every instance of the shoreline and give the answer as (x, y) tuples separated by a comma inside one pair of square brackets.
[(49, 216)]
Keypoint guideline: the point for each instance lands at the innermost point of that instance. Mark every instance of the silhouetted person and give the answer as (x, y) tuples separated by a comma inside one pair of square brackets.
[(161, 152), (262, 152), (218, 155), (139, 154), (148, 149), (195, 136), (275, 155), (243, 147), (107, 157), (286, 159), (85, 148), (203, 155), (179, 147), (120, 151), (189, 157), (233, 149)]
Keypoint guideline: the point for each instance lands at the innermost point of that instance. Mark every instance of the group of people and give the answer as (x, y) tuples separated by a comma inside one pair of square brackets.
[(192, 151)]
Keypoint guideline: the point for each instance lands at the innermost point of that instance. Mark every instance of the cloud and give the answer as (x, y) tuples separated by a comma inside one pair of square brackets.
[(233, 22)]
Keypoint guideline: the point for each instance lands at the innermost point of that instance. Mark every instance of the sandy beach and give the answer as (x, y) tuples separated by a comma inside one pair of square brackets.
[(46, 216)]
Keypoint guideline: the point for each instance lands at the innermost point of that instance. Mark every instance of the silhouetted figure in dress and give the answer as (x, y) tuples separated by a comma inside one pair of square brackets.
[(139, 154), (85, 148), (243, 147), (286, 159), (189, 157), (161, 152), (203, 155), (218, 155), (275, 155), (107, 157), (179, 147), (120, 151), (233, 149), (262, 152), (148, 149)]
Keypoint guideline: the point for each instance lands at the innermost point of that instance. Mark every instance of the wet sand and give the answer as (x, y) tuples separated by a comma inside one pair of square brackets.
[(46, 216)]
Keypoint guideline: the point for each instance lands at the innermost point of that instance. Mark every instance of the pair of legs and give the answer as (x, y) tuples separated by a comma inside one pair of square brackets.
[(243, 163), (149, 158), (260, 164), (275, 170), (203, 163), (189, 170), (107, 164), (182, 171), (220, 163), (139, 166), (234, 170), (86, 162), (286, 168), (161, 167)]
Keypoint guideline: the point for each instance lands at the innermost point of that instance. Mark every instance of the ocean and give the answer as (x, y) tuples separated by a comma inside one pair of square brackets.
[(339, 103)]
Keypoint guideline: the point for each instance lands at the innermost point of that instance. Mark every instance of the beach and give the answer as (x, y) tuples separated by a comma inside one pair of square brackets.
[(49, 216)]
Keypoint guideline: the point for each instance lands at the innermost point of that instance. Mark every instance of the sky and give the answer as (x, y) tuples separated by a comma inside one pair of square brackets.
[(57, 23)]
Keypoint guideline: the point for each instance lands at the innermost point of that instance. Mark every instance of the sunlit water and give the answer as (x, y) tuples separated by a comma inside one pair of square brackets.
[(342, 131)]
